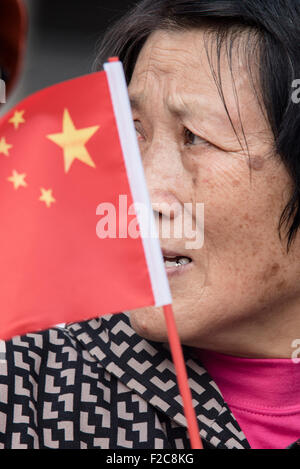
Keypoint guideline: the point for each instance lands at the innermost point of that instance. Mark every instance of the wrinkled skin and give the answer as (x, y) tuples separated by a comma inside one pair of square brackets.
[(240, 295)]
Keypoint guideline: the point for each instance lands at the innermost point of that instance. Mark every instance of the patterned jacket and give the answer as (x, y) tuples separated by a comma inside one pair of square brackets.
[(97, 384)]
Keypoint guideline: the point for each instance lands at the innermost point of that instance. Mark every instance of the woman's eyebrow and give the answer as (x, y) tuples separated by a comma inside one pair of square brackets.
[(185, 106), (177, 107)]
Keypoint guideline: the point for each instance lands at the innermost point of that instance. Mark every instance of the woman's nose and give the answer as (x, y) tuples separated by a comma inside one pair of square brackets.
[(162, 165), (164, 203)]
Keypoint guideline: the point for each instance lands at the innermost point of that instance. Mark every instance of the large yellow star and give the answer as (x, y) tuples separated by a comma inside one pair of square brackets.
[(4, 147), (17, 119), (17, 179), (47, 197), (73, 141)]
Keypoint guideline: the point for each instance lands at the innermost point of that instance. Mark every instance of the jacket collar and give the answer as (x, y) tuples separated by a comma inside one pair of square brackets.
[(147, 368)]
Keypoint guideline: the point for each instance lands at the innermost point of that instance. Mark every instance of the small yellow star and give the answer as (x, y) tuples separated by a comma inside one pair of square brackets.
[(73, 141), (17, 179), (17, 119), (4, 147), (47, 197)]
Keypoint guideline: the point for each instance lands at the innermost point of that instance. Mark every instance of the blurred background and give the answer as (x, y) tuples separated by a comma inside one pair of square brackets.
[(61, 41)]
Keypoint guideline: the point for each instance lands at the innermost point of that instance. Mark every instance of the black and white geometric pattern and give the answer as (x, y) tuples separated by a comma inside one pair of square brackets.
[(97, 384)]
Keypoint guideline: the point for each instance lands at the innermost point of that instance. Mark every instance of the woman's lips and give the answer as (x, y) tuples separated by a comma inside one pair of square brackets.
[(176, 263)]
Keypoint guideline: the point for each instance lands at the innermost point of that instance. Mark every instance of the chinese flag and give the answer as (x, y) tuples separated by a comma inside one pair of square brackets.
[(64, 151)]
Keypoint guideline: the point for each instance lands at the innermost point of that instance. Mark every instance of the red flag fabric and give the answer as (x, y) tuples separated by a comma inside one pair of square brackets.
[(60, 157), (64, 152)]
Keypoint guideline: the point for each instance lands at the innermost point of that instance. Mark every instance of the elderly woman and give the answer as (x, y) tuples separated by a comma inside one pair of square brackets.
[(214, 100)]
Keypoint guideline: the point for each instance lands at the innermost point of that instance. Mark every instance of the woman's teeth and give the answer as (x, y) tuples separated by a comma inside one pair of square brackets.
[(176, 261)]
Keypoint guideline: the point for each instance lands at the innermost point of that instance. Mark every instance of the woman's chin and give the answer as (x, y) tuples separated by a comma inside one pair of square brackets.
[(149, 323)]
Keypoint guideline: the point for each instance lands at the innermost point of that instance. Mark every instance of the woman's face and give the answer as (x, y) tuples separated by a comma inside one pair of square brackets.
[(239, 295)]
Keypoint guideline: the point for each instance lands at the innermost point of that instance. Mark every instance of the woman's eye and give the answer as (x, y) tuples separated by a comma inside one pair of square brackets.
[(192, 139)]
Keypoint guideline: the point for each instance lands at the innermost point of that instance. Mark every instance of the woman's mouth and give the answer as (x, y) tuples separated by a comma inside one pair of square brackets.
[(175, 263)]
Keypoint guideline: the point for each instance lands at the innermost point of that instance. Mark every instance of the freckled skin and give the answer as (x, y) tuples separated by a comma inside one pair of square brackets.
[(256, 163), (242, 294), (236, 183)]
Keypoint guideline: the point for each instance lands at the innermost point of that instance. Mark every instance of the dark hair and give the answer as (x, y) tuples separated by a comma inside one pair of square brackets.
[(275, 25)]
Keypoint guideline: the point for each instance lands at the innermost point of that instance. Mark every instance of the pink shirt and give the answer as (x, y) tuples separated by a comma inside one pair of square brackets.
[(263, 395)]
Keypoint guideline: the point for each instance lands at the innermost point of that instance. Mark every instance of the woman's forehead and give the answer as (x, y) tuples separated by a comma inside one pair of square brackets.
[(178, 62), (170, 53), (174, 68), (174, 51)]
